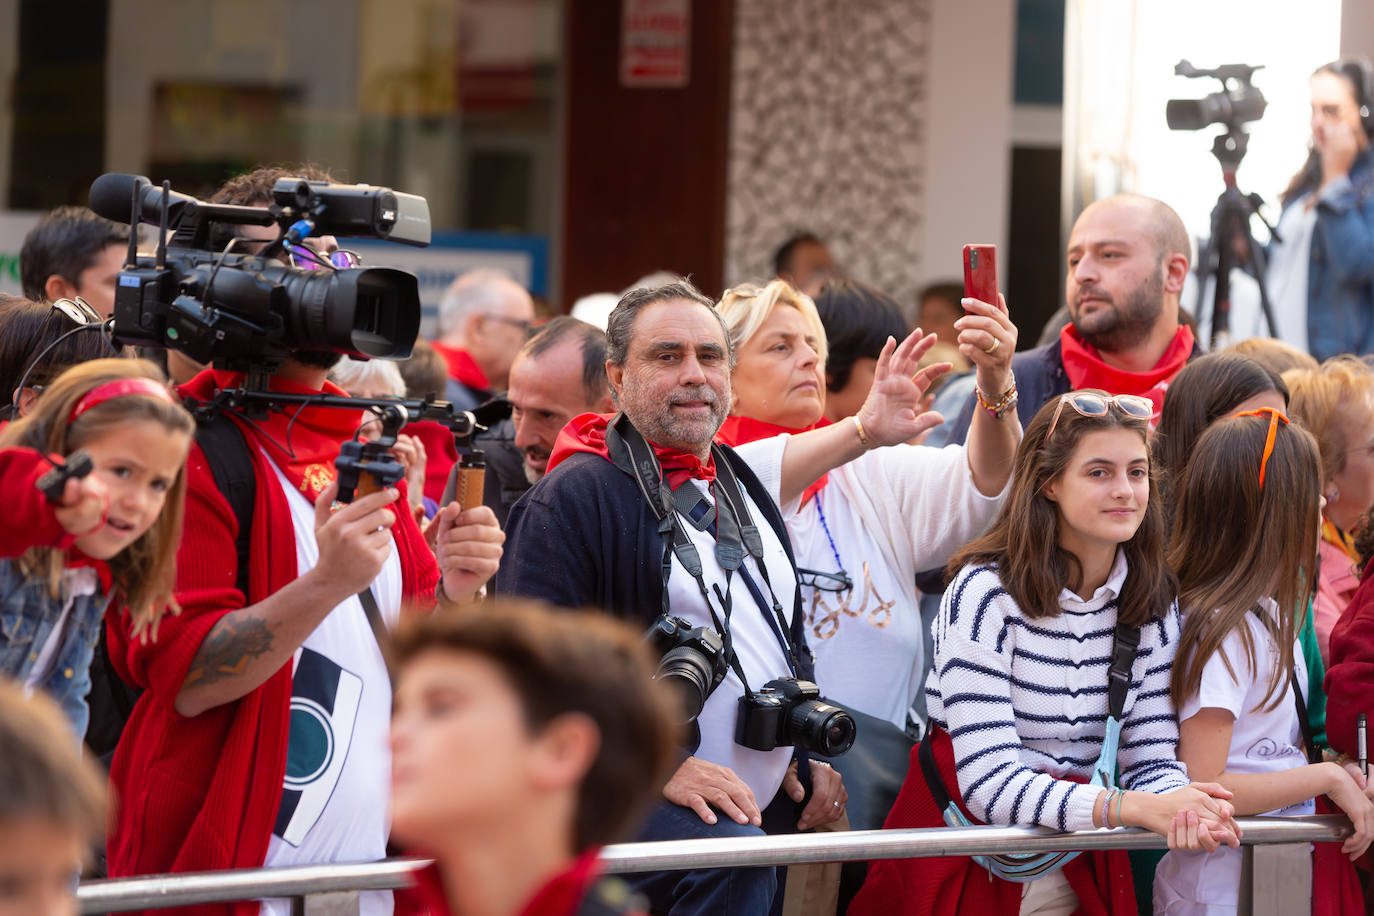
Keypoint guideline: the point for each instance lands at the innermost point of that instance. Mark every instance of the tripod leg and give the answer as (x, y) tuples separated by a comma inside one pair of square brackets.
[(1205, 249), (1259, 267)]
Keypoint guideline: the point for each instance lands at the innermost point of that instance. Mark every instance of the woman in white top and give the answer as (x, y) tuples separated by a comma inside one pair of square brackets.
[(1244, 542), (863, 532)]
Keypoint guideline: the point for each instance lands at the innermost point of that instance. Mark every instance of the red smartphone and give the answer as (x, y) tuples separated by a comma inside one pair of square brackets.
[(980, 273)]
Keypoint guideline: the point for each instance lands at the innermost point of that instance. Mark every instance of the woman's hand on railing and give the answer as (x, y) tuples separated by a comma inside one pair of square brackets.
[(1350, 797), (1197, 816)]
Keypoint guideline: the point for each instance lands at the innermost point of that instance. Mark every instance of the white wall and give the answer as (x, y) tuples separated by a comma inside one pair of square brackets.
[(968, 155)]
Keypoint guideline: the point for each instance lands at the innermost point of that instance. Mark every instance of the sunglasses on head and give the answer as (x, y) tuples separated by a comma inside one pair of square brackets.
[(1092, 404), (1274, 416), (78, 310), (310, 259)]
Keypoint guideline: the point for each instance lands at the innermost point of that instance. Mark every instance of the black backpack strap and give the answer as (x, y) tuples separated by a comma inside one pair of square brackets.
[(931, 771), (226, 452), (1125, 642), (1314, 753)]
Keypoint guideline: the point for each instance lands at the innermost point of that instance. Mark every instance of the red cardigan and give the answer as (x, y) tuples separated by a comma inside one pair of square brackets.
[(955, 885), (202, 792), (1350, 667)]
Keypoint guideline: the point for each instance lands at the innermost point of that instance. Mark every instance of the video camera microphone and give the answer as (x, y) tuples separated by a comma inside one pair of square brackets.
[(112, 193)]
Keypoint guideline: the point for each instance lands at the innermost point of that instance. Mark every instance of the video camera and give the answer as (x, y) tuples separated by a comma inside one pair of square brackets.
[(1237, 103), (247, 312)]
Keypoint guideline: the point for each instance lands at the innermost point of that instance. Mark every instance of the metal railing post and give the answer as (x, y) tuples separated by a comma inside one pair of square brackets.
[(337, 903), (1280, 879)]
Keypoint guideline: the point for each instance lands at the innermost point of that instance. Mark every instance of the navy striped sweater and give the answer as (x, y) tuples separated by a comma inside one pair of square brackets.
[(1025, 701)]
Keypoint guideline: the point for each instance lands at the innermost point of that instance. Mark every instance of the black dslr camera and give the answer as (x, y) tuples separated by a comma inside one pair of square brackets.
[(693, 660), (791, 712)]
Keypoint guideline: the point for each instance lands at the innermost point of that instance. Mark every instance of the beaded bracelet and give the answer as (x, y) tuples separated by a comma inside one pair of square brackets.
[(1120, 802), (1004, 403)]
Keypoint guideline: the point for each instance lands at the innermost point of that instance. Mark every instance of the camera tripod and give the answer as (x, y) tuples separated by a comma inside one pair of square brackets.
[(1222, 250)]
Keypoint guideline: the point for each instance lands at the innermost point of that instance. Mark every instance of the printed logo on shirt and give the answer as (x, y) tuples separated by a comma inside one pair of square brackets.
[(324, 711), (824, 620), (1269, 749)]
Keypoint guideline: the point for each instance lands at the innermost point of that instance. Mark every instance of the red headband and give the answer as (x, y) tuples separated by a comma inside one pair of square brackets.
[(118, 389)]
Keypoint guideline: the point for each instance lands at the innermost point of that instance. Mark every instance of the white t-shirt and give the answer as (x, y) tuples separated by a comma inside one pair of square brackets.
[(760, 652), (1287, 273), (334, 805), (1262, 741), (892, 513)]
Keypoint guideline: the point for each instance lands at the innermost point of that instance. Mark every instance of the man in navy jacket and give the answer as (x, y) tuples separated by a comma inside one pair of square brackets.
[(586, 536)]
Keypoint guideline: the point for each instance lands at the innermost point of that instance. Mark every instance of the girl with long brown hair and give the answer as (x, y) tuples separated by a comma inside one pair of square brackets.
[(1025, 727), (1244, 545), (114, 530)]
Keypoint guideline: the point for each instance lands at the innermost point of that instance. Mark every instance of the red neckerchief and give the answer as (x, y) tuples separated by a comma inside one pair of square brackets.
[(739, 430), (1085, 367), (587, 433), (302, 441), (462, 368), (561, 895), (74, 558)]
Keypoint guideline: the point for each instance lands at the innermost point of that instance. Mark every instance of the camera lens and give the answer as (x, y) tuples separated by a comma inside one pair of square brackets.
[(689, 672), (821, 728)]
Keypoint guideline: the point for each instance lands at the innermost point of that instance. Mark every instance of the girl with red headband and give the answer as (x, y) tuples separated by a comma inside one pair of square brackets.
[(114, 530), (1244, 546)]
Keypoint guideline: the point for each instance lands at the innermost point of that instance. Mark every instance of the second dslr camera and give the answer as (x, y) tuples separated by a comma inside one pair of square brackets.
[(791, 712)]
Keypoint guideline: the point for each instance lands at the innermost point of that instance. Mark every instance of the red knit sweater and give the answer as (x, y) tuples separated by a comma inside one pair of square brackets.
[(202, 792), (958, 885)]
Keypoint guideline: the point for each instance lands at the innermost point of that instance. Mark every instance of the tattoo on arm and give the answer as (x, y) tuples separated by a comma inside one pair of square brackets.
[(228, 648)]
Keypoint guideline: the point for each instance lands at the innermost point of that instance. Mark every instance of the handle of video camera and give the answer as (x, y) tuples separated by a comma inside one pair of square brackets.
[(472, 470), (77, 465), (364, 468)]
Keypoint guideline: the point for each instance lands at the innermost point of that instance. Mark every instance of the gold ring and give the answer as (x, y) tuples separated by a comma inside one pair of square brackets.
[(996, 342)]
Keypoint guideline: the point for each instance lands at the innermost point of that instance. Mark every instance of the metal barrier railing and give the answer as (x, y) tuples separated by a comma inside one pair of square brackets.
[(333, 889)]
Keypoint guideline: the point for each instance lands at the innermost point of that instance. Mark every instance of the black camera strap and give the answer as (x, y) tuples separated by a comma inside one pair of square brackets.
[(729, 521), (1309, 741)]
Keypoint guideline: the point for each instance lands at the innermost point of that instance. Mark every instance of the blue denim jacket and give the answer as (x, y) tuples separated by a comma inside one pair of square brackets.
[(27, 617), (1340, 273)]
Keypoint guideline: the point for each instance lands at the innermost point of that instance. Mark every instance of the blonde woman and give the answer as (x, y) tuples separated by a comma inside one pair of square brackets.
[(1335, 402), (863, 531)]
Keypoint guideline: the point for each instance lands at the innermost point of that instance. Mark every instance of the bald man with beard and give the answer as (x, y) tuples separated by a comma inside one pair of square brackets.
[(1127, 259)]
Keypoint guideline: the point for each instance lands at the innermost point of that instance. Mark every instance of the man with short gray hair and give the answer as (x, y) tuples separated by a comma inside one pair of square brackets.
[(484, 318), (589, 534)]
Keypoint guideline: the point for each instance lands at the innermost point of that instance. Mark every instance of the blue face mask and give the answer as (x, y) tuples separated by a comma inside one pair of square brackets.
[(1024, 867)]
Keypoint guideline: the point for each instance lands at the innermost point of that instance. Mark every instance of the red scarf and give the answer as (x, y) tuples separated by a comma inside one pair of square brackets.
[(739, 430), (587, 433), (1086, 369), (302, 441), (462, 368), (561, 895)]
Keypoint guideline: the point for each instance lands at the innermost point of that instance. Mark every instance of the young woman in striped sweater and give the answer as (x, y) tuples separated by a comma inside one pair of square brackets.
[(1021, 731)]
